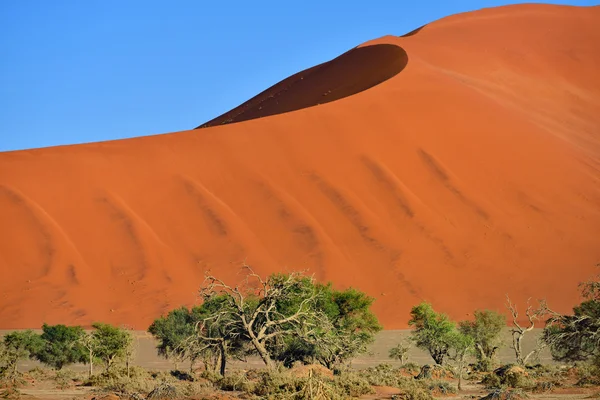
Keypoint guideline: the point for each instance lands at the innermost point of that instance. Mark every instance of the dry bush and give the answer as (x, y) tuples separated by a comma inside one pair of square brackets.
[(163, 391), (10, 393), (506, 394), (588, 374), (235, 381), (40, 374), (66, 378), (283, 384), (515, 376), (410, 368), (440, 387), (116, 380), (414, 393)]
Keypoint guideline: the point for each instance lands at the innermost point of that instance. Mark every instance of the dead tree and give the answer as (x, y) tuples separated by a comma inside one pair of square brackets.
[(518, 331), (250, 311)]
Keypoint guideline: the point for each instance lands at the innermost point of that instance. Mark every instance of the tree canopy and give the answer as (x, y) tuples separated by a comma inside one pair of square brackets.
[(432, 332)]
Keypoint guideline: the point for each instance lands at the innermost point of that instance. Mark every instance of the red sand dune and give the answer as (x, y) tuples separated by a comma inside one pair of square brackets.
[(461, 165)]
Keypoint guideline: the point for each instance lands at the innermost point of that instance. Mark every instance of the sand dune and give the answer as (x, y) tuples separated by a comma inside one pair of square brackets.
[(456, 164)]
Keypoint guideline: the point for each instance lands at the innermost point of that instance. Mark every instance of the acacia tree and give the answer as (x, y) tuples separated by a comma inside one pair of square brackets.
[(460, 347), (16, 346), (252, 311), (432, 331), (172, 331), (212, 340), (518, 332), (577, 337), (350, 326), (485, 330), (61, 346), (90, 344), (111, 343)]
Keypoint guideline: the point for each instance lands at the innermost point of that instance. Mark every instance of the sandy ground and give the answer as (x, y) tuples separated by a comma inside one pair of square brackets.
[(456, 164)]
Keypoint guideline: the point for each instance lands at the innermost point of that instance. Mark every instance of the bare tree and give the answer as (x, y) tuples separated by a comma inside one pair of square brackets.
[(252, 311), (518, 332), (89, 342)]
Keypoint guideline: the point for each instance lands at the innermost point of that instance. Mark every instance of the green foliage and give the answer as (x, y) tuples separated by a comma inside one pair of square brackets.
[(399, 352), (432, 332), (16, 346), (173, 329), (61, 346), (351, 326), (112, 343), (577, 337), (485, 331)]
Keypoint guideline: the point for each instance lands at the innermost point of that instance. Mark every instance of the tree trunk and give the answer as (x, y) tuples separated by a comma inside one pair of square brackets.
[(91, 355), (460, 373), (14, 372), (223, 357), (263, 353), (517, 338)]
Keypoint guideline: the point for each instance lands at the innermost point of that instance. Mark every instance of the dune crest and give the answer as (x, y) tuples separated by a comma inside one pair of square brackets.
[(457, 163)]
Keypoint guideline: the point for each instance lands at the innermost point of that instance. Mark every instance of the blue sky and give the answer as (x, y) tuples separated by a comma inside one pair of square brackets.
[(85, 71)]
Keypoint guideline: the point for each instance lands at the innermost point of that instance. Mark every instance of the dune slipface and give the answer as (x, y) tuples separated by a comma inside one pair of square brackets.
[(454, 165)]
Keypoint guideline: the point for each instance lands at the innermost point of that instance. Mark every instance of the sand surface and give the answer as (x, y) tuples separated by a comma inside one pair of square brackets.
[(455, 165)]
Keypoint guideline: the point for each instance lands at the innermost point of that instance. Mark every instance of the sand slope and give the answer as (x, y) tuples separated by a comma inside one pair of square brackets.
[(471, 171)]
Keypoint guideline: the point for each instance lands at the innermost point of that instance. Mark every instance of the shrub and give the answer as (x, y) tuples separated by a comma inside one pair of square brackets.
[(235, 381), (352, 384), (441, 387), (505, 394), (65, 378), (163, 391), (491, 381), (411, 368)]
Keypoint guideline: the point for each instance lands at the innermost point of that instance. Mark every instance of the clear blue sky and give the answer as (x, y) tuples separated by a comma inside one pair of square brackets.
[(90, 70)]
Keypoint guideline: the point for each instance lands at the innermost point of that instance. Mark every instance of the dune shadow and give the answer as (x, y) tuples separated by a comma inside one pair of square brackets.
[(352, 72)]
